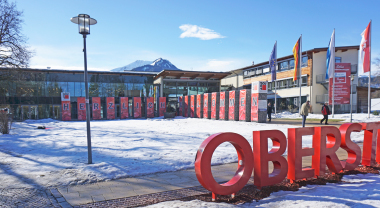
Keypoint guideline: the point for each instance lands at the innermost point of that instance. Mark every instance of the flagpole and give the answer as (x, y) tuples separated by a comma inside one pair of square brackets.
[(300, 79), (333, 85), (275, 84), (369, 75)]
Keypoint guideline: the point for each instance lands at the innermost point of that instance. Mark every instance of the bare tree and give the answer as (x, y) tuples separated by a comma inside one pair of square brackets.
[(14, 53)]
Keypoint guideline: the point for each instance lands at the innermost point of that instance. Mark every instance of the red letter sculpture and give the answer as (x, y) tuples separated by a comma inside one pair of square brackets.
[(353, 150), (203, 163), (369, 144), (325, 150), (262, 157), (296, 152)]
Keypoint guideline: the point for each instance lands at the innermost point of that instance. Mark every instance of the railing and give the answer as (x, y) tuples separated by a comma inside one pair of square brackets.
[(321, 78), (322, 98)]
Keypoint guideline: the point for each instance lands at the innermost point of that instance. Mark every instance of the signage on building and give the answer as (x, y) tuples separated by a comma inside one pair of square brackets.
[(124, 104), (259, 87), (110, 108), (66, 109), (323, 153), (136, 107), (254, 106), (162, 108), (96, 108), (81, 108), (149, 107), (342, 84)]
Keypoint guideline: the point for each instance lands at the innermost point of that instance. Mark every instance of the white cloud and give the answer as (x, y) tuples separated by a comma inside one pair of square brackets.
[(194, 31)]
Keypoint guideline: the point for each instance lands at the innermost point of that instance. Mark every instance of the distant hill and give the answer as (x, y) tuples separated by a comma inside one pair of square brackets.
[(157, 66), (147, 66), (131, 66)]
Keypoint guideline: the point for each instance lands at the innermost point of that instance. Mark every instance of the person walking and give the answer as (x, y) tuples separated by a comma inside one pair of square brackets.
[(325, 112), (305, 112), (269, 112)]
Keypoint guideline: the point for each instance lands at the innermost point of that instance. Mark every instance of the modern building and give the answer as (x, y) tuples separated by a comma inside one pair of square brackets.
[(36, 93), (314, 86), (181, 83)]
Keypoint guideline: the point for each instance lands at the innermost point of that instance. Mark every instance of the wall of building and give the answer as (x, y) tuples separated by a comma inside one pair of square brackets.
[(319, 68), (281, 74), (235, 80)]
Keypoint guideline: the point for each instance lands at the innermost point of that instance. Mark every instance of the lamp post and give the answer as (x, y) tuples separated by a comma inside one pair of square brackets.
[(84, 21), (351, 80)]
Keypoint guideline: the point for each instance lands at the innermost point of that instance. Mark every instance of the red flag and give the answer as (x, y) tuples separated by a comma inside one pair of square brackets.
[(365, 48)]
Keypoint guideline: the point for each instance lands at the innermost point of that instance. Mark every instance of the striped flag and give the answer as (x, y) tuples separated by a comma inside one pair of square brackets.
[(296, 54), (365, 47), (330, 57)]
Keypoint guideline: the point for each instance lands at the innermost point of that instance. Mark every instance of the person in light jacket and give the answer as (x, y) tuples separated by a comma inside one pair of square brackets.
[(305, 112), (325, 112)]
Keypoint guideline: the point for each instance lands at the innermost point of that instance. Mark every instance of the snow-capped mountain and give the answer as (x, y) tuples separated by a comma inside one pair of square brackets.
[(131, 66), (157, 66)]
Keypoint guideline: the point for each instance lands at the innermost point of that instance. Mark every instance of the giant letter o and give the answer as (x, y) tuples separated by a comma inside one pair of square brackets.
[(203, 163)]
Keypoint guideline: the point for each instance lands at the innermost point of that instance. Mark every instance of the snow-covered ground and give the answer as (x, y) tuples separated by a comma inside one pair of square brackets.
[(355, 191), (120, 148)]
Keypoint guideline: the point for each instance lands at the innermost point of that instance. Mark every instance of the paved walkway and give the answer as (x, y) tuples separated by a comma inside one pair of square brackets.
[(96, 195), (298, 122)]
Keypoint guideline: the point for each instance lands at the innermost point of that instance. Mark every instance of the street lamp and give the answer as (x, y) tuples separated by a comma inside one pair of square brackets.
[(84, 21), (352, 79)]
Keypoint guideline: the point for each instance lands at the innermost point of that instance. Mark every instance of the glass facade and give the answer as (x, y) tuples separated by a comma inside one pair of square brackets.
[(37, 94), (175, 89)]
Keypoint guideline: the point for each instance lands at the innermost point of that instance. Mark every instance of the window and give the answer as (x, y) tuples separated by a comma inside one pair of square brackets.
[(283, 65), (266, 70), (269, 85), (259, 70), (304, 61), (304, 81), (291, 64), (338, 59)]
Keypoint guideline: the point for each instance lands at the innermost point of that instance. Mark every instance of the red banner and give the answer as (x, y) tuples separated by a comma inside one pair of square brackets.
[(231, 106), (192, 106), (213, 105), (254, 106), (66, 111), (124, 107), (222, 109), (205, 105), (96, 107), (149, 107), (137, 107), (180, 105), (185, 107), (110, 108), (342, 84), (242, 103), (81, 108), (162, 106), (199, 106)]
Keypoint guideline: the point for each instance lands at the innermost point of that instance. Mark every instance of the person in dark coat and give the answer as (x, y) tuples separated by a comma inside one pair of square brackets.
[(269, 112), (325, 112)]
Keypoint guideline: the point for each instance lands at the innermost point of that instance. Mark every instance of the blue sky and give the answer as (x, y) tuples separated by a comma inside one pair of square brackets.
[(232, 33)]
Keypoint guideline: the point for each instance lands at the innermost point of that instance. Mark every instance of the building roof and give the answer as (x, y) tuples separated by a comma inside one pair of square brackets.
[(314, 50), (192, 74), (137, 73)]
